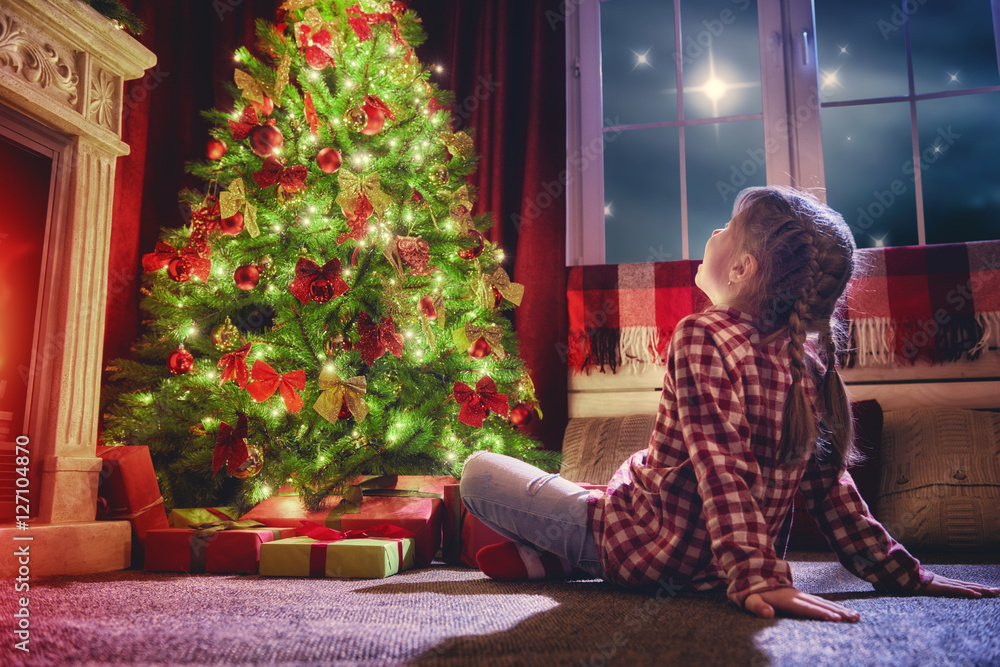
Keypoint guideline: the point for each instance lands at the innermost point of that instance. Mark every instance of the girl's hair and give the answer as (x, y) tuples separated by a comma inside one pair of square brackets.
[(805, 256)]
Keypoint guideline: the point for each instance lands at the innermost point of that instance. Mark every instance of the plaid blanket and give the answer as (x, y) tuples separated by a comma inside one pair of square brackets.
[(935, 303)]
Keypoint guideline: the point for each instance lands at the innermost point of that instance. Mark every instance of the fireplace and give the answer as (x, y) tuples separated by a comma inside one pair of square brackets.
[(62, 71)]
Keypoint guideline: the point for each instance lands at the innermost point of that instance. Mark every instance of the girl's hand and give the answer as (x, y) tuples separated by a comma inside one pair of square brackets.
[(794, 602), (954, 588)]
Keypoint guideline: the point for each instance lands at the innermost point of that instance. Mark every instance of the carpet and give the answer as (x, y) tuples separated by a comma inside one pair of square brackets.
[(446, 615)]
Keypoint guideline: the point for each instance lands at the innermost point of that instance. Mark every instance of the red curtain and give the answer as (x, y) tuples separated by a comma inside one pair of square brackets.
[(503, 60)]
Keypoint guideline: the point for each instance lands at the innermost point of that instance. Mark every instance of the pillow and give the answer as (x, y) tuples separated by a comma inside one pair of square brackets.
[(595, 447), (940, 481)]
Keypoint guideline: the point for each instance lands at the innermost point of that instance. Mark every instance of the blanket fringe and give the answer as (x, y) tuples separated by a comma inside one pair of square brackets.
[(872, 341), (989, 324), (638, 346)]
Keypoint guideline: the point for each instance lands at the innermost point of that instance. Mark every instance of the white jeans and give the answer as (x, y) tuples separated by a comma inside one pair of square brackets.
[(526, 504)]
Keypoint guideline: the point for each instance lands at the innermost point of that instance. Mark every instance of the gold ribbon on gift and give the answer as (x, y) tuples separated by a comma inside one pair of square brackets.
[(337, 391), (511, 291), (233, 200), (352, 187), (459, 143), (372, 486), (472, 333), (206, 529)]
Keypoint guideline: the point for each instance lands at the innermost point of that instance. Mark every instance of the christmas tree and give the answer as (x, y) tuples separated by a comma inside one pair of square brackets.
[(333, 308)]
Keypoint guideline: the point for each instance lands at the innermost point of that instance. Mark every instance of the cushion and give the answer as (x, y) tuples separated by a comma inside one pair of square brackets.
[(595, 447), (940, 482)]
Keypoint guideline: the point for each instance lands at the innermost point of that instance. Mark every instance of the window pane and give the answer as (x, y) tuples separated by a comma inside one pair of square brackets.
[(722, 159), (953, 46), (868, 160), (860, 49), (638, 75), (721, 57), (642, 221), (960, 171)]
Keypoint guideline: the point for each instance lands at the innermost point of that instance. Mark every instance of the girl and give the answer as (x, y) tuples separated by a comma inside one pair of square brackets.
[(752, 410)]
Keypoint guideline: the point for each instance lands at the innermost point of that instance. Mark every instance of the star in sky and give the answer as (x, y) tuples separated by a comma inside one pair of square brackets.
[(642, 59), (953, 78), (843, 49), (607, 210)]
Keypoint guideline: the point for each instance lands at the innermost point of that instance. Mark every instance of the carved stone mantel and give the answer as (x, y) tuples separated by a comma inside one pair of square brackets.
[(64, 65)]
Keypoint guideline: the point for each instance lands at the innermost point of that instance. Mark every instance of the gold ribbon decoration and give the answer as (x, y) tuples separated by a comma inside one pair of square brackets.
[(253, 89), (337, 391), (459, 143), (205, 529), (501, 282), (281, 79), (491, 334), (353, 186), (290, 5), (460, 210), (234, 199)]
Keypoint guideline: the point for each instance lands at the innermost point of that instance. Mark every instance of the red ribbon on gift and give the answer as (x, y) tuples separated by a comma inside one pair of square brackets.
[(326, 536), (291, 178), (235, 363), (231, 446), (477, 403), (266, 381), (372, 335), (242, 128), (164, 253), (361, 23), (307, 272)]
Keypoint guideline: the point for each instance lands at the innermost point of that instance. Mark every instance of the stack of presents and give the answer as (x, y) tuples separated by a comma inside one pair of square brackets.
[(382, 525)]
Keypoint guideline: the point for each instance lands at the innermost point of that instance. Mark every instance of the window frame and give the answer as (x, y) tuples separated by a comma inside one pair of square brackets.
[(790, 95)]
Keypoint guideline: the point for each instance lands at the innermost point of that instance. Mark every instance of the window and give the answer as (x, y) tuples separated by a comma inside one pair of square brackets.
[(676, 106)]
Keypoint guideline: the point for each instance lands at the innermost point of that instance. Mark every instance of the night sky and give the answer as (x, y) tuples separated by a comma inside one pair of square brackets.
[(868, 153)]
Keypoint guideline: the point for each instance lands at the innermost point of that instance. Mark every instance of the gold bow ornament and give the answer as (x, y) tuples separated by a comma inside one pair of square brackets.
[(459, 143), (337, 391), (501, 282), (233, 200), (352, 187), (465, 338)]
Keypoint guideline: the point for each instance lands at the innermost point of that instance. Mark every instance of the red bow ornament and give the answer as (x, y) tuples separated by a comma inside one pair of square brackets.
[(317, 283), (477, 403), (234, 364), (242, 128), (376, 339), (164, 254), (361, 23), (316, 49), (373, 102), (311, 116), (230, 446), (266, 381), (357, 220), (291, 179)]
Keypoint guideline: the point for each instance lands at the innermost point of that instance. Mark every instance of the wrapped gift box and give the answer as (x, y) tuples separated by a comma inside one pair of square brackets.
[(365, 558), (422, 516), (234, 551), (464, 534), (129, 491), (185, 517)]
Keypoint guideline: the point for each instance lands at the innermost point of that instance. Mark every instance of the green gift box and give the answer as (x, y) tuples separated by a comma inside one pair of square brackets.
[(362, 558), (185, 517)]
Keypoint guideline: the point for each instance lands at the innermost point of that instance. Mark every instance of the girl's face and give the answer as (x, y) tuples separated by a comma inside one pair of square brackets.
[(713, 275)]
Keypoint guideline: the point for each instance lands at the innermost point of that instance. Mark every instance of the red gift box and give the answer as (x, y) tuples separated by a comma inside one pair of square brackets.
[(234, 551), (422, 516), (465, 535), (129, 491)]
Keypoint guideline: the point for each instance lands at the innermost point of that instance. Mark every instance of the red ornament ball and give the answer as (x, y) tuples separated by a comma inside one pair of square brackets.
[(480, 349), (232, 225), (265, 107), (252, 465), (428, 309), (521, 414), (179, 269), (265, 139), (246, 277), (345, 412), (329, 160), (497, 298), (215, 149), (180, 361), (376, 120), (321, 290), (477, 248)]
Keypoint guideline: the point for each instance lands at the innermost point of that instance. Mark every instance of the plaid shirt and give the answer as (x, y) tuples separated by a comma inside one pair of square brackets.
[(703, 505)]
